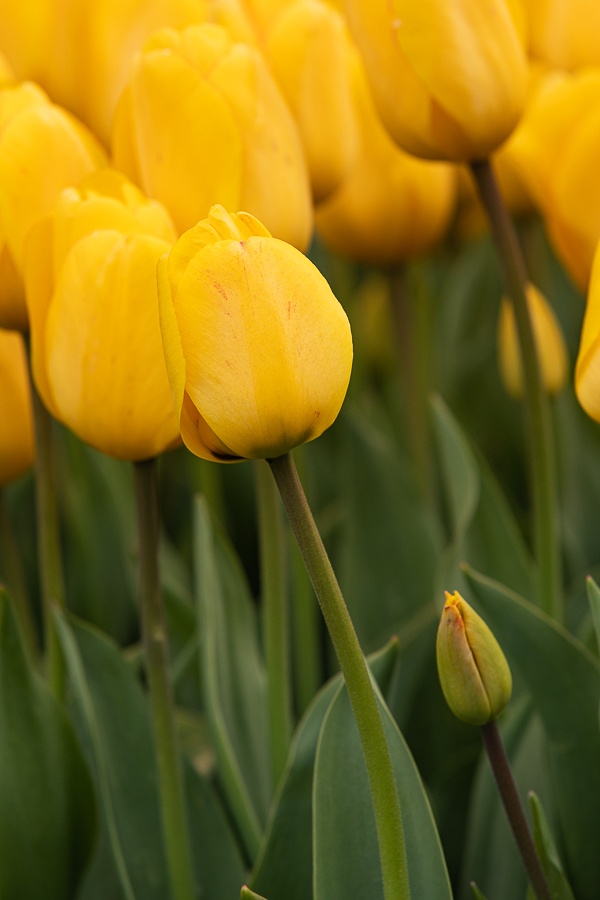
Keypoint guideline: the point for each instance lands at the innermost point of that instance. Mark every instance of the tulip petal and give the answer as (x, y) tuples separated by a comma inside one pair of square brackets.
[(16, 420), (105, 360)]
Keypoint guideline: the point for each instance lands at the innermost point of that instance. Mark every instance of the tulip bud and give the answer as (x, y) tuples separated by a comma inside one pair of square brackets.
[(257, 347), (473, 671), (16, 420), (203, 121), (549, 342), (391, 206), (587, 369), (448, 79), (91, 289)]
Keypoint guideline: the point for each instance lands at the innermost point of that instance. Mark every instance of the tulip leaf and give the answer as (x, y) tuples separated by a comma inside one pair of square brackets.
[(476, 892), (386, 546), (563, 679), (48, 820), (346, 861), (491, 857), (547, 852), (285, 862), (593, 593), (234, 679), (483, 527), (247, 894)]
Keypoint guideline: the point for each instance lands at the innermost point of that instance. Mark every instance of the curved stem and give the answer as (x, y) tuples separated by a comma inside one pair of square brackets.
[(275, 617), (48, 534), (173, 811), (543, 462), (384, 794), (514, 809)]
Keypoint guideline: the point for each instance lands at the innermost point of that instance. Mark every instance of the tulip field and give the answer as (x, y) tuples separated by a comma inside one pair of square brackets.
[(299, 450)]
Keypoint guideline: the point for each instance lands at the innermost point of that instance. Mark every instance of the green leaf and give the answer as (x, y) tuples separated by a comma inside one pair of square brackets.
[(234, 679), (593, 593), (48, 822), (476, 892), (247, 894), (114, 724), (285, 862), (564, 681), (346, 862), (386, 545), (547, 852), (459, 470)]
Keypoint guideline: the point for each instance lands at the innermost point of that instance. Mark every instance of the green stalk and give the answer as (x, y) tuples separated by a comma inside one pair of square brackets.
[(541, 438), (173, 811), (275, 617), (17, 589), (514, 809), (384, 794), (48, 538)]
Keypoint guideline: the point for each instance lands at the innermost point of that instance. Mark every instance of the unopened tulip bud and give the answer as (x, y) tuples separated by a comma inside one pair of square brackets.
[(549, 342), (473, 671), (258, 349), (16, 419)]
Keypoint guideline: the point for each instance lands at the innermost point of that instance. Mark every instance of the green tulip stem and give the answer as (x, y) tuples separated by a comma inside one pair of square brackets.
[(48, 538), (390, 832), (154, 634), (272, 546), (15, 576), (544, 477), (514, 809)]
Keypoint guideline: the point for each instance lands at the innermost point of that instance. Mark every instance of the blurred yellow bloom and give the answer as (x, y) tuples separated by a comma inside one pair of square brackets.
[(391, 206), (310, 54), (203, 121), (474, 674), (448, 79), (549, 341), (587, 369), (258, 349), (16, 421), (564, 33), (43, 149), (91, 290)]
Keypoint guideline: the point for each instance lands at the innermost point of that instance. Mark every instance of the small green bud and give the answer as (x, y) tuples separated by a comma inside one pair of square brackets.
[(473, 671)]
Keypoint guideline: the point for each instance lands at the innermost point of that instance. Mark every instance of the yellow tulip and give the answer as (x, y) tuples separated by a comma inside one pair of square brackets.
[(43, 149), (391, 206), (448, 79), (564, 33), (202, 121), (258, 349), (474, 674), (16, 425), (90, 280), (310, 53), (549, 341), (587, 369), (558, 154)]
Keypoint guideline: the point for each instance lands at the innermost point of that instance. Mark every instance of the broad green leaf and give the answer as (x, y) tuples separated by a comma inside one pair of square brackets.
[(386, 545), (491, 857), (48, 816), (233, 675), (284, 867), (483, 527), (247, 894), (547, 852), (564, 681), (476, 892), (346, 861), (113, 720), (593, 593)]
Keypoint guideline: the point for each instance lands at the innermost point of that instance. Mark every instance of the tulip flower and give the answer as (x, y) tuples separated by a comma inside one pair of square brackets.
[(473, 671), (564, 33), (202, 121), (16, 428), (257, 347), (310, 54), (448, 79), (587, 369), (43, 149), (549, 340), (391, 207), (90, 280)]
